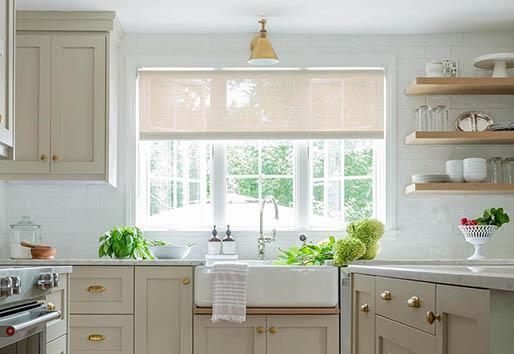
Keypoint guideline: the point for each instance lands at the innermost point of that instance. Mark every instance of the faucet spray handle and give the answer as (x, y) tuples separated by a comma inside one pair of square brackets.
[(303, 238), (273, 234)]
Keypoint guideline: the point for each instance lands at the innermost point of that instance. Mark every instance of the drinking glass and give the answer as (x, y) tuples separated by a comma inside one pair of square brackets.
[(439, 115), (508, 170), (423, 119), (495, 166)]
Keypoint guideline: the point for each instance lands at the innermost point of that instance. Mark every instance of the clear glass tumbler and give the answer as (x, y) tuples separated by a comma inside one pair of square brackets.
[(439, 115), (423, 119), (495, 167), (508, 170)]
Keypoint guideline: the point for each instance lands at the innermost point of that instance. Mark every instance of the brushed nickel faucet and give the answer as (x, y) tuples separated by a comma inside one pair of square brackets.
[(265, 238)]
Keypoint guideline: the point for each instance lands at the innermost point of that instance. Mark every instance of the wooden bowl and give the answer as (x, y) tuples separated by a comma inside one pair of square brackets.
[(43, 252)]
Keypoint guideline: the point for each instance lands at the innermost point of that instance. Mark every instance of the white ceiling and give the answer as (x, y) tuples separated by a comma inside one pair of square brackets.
[(297, 16)]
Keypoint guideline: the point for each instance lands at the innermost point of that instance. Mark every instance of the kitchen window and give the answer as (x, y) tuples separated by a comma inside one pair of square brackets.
[(214, 144)]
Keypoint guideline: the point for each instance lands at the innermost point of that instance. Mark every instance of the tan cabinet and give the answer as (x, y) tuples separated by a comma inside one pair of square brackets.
[(393, 337), (163, 310), (308, 334), (106, 334), (464, 322), (57, 346), (7, 26), (102, 290), (229, 338), (363, 314)]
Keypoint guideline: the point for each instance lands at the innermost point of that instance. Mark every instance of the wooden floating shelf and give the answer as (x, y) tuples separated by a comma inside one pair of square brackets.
[(461, 86), (278, 311), (459, 188), (460, 138)]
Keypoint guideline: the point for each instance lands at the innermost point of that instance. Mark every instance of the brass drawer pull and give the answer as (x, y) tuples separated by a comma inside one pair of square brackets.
[(96, 289), (432, 317), (50, 307), (273, 330), (186, 281), (55, 158), (414, 302), (260, 330), (95, 338), (43, 157), (386, 295), (365, 308)]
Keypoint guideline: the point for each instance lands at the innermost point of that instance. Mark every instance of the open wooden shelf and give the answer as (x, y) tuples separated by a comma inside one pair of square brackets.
[(461, 86), (459, 188), (459, 138)]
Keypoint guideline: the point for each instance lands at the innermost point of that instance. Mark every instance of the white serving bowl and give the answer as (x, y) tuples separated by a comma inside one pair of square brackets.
[(475, 170), (170, 252), (455, 169)]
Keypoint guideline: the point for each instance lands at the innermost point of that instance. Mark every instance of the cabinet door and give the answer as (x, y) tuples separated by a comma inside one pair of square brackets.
[(395, 338), (308, 334), (363, 312), (78, 97), (7, 34), (163, 310), (230, 338), (59, 299), (57, 346), (464, 324)]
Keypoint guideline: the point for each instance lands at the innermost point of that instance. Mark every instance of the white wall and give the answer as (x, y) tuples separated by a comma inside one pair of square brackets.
[(74, 215)]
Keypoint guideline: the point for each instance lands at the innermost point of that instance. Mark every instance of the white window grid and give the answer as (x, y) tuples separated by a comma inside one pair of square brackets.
[(302, 183)]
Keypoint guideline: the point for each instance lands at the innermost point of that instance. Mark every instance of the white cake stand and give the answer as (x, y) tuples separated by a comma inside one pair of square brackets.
[(498, 62)]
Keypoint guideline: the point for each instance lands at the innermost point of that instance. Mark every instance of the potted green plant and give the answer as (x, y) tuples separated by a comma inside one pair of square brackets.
[(124, 242)]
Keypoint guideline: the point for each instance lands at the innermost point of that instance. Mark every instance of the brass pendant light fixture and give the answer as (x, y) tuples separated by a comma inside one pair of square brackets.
[(262, 52)]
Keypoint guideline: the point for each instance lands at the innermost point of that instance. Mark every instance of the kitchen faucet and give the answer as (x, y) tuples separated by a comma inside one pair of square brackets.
[(263, 238)]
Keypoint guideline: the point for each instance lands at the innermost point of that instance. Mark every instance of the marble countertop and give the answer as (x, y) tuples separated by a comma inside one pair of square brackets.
[(102, 262), (488, 275)]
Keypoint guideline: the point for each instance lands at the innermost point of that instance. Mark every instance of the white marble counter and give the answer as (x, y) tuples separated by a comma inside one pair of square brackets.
[(498, 276), (102, 262)]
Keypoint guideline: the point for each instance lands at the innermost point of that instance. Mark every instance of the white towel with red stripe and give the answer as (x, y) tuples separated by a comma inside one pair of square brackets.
[(229, 282)]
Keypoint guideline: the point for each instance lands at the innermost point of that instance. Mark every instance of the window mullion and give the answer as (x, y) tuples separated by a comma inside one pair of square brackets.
[(219, 183), (302, 185)]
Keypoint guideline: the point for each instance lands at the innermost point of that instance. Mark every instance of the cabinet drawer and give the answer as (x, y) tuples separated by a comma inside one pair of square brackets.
[(392, 297), (107, 334), (58, 298), (57, 346), (102, 289), (393, 337)]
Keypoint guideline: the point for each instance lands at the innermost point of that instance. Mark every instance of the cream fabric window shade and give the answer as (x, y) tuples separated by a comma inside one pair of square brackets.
[(261, 104)]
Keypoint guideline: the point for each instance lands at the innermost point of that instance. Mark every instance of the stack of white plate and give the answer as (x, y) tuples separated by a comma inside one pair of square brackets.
[(431, 178)]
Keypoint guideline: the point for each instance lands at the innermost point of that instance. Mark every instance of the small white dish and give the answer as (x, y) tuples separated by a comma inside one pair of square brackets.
[(170, 252)]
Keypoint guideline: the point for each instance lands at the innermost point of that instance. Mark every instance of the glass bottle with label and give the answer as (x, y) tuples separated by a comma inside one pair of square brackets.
[(214, 244), (229, 244)]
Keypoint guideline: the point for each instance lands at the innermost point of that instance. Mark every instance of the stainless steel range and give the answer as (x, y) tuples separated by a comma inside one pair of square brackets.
[(23, 311)]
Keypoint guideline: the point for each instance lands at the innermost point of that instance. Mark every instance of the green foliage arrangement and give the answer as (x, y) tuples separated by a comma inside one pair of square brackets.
[(308, 254), (125, 242), (369, 231), (494, 216), (348, 249)]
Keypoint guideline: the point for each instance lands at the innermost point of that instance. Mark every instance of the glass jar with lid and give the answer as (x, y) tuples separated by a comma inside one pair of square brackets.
[(508, 170), (24, 230)]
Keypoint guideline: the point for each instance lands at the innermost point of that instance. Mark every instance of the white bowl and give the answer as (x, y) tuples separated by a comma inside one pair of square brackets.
[(170, 252), (475, 170), (455, 169)]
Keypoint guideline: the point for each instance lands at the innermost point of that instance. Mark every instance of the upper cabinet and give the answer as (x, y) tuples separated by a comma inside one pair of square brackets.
[(65, 85), (7, 23)]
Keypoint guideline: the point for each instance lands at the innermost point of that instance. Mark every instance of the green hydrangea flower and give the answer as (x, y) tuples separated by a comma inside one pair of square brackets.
[(348, 249)]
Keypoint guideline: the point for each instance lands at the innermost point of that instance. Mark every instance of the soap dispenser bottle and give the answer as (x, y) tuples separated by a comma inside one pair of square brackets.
[(229, 244), (214, 244)]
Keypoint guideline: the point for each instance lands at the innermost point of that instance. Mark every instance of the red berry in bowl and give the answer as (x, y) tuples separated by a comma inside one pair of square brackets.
[(473, 222), (464, 221)]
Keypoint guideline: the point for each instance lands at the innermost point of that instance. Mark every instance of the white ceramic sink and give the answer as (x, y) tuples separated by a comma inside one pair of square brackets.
[(278, 286)]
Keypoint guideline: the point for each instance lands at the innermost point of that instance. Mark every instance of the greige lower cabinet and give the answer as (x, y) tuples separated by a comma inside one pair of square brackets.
[(56, 330), (57, 346), (163, 310), (415, 317), (268, 334)]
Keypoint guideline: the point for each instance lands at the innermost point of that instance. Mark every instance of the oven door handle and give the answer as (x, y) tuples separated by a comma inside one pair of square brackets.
[(11, 330)]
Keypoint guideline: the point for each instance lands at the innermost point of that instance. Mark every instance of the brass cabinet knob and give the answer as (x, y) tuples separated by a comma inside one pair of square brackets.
[(96, 289), (365, 308), (432, 317), (43, 157), (96, 337), (273, 330), (386, 295), (414, 302), (50, 306), (186, 281), (260, 330), (55, 158)]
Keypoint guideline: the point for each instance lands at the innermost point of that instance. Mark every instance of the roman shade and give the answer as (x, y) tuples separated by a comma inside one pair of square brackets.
[(295, 104)]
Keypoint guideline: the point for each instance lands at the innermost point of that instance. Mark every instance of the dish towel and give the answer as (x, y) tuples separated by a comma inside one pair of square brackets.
[(229, 283)]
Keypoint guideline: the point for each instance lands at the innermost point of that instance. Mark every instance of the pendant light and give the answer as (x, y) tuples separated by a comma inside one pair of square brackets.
[(262, 51)]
